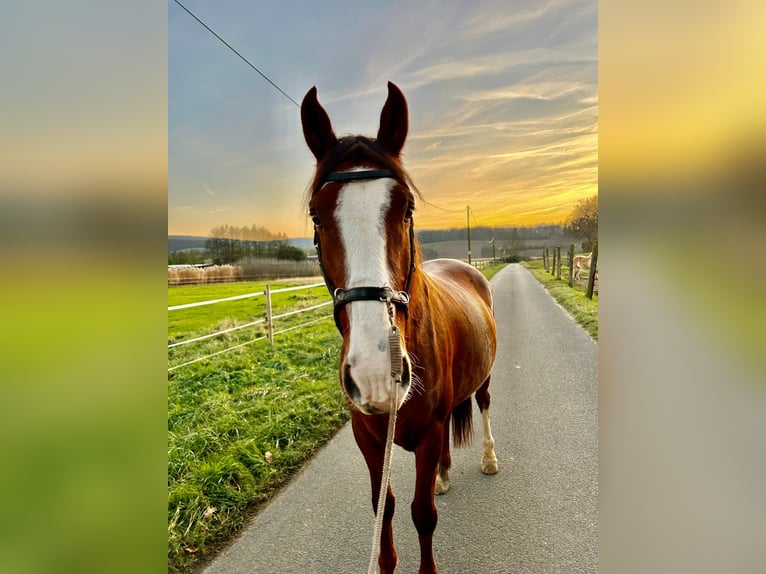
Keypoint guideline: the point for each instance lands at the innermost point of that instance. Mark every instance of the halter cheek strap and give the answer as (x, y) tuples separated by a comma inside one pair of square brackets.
[(342, 297)]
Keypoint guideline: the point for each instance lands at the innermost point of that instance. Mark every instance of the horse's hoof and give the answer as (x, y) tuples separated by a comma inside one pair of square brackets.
[(489, 467), (441, 486)]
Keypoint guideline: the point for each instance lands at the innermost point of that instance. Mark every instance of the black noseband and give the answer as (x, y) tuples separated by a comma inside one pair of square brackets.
[(341, 297)]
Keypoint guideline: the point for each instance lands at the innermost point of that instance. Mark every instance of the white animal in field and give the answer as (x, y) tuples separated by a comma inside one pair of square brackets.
[(579, 263)]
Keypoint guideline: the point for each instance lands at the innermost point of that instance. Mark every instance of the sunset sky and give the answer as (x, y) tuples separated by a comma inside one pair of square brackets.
[(502, 96)]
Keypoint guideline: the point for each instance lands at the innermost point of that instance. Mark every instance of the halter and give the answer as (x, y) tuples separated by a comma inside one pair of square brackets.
[(342, 297)]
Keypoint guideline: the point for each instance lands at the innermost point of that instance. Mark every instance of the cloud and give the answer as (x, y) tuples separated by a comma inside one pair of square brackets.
[(503, 103), (508, 18), (493, 64), (544, 91)]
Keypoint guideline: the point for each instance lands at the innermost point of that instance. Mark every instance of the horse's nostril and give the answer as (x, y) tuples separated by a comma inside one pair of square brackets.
[(348, 383)]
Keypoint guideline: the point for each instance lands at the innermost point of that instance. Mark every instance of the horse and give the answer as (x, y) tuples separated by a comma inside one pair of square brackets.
[(579, 263), (361, 201)]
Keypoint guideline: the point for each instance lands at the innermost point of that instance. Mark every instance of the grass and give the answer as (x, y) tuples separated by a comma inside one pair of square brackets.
[(490, 272), (223, 419), (225, 414), (573, 299)]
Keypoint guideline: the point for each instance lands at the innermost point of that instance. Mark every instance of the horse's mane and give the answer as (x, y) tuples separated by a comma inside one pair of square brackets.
[(358, 150)]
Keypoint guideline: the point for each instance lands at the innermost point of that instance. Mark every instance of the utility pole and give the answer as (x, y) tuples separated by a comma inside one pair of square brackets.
[(468, 221), (492, 241)]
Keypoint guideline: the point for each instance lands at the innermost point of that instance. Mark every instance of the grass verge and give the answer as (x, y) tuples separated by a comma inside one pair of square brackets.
[(573, 299), (489, 272)]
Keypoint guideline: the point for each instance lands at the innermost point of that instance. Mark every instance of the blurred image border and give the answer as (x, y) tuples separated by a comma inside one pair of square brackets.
[(83, 235)]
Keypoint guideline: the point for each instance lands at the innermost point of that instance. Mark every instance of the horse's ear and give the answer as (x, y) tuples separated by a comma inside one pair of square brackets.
[(317, 128), (394, 121)]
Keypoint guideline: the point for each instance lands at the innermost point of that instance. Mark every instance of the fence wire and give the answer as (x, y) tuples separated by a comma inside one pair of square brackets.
[(267, 320)]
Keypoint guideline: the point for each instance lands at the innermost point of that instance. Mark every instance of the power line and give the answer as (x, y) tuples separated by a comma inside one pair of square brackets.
[(265, 77), (429, 204)]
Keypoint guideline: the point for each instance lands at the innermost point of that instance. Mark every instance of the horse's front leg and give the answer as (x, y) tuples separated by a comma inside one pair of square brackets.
[(423, 507), (373, 452)]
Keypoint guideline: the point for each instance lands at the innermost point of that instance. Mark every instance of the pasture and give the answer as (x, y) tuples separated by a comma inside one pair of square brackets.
[(226, 413)]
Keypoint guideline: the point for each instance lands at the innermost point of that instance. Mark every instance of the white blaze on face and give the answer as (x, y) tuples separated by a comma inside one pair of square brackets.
[(360, 214)]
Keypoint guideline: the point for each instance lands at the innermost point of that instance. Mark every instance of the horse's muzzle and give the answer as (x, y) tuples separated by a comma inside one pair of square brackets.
[(366, 404)]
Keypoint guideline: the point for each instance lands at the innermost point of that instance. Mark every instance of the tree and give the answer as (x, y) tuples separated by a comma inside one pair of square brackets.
[(285, 251), (230, 243), (583, 221)]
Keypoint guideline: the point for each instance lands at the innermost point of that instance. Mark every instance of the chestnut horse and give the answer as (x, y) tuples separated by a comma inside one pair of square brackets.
[(361, 202)]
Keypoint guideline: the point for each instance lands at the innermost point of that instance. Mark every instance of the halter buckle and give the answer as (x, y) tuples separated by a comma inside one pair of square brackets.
[(389, 295)]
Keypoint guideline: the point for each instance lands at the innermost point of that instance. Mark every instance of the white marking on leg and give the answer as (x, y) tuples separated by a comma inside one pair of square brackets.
[(442, 482), (488, 457)]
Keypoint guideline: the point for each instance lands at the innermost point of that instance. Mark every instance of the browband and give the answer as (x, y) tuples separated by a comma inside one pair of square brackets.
[(364, 174)]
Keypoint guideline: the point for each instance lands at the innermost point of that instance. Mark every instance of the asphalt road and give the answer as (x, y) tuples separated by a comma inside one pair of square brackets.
[(537, 515)]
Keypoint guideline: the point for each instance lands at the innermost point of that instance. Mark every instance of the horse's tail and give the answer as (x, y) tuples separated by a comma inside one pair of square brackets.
[(462, 429)]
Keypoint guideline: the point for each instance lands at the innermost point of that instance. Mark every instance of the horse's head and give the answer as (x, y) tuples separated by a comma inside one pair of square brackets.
[(362, 205)]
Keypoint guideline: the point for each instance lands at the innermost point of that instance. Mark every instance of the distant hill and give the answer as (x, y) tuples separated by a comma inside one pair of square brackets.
[(182, 242), (524, 241)]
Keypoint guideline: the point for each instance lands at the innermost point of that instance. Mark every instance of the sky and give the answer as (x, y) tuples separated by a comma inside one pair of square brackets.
[(503, 105)]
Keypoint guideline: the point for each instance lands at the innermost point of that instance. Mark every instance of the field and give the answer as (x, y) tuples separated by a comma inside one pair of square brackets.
[(242, 423)]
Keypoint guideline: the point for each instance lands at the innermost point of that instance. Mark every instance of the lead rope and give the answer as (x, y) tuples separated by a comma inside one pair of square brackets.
[(395, 351)]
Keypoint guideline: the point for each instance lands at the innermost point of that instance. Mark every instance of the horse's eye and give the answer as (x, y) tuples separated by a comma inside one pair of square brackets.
[(408, 213), (315, 218)]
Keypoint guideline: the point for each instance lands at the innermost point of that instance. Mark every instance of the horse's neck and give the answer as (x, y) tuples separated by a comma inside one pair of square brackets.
[(426, 293), (419, 289)]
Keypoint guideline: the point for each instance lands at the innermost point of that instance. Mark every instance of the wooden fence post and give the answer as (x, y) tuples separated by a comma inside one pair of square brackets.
[(592, 272), (269, 322), (558, 258), (545, 258), (553, 263), (571, 262)]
